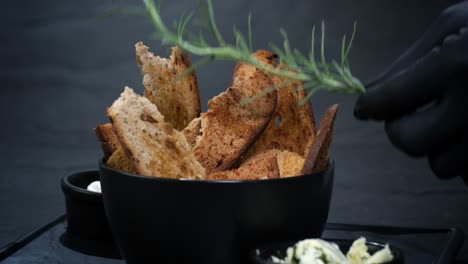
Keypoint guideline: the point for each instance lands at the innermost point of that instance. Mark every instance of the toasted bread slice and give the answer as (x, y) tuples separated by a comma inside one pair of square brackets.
[(178, 101), (292, 125), (229, 128), (153, 145), (260, 166), (114, 155), (107, 139), (268, 164), (289, 163), (317, 153), (193, 131), (119, 160)]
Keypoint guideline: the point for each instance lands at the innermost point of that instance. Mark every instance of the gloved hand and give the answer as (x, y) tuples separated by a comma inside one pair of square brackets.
[(423, 96)]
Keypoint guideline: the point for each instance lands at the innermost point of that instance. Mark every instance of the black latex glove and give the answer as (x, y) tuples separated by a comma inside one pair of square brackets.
[(423, 96)]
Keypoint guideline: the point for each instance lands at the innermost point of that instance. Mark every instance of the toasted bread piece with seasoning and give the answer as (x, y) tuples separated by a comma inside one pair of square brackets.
[(260, 166), (178, 101), (107, 139), (229, 128), (317, 154), (153, 145), (119, 160), (292, 125), (193, 131), (289, 163), (268, 164), (114, 155)]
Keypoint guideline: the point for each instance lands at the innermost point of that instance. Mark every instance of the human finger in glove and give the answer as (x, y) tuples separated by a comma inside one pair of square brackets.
[(423, 96)]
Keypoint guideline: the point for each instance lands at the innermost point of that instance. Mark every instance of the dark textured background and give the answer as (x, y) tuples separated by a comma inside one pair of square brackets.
[(61, 64)]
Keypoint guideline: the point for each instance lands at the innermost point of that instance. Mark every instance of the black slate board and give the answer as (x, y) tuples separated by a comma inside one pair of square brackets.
[(50, 244)]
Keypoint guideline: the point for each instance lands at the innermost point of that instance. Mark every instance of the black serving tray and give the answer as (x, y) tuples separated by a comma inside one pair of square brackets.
[(51, 244)]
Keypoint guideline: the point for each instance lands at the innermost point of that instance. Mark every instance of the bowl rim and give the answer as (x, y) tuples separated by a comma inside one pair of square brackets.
[(330, 166), (66, 184)]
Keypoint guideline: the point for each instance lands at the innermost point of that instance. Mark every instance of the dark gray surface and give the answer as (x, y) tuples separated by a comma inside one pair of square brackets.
[(48, 248), (423, 247), (60, 66)]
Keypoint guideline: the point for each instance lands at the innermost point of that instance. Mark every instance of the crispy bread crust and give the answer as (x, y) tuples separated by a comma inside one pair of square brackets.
[(261, 166), (119, 160), (179, 101), (268, 164), (229, 128), (317, 154), (289, 163), (292, 125), (107, 139), (153, 145), (192, 131), (114, 155)]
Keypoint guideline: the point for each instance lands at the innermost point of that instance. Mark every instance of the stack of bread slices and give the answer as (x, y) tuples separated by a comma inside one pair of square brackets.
[(163, 133)]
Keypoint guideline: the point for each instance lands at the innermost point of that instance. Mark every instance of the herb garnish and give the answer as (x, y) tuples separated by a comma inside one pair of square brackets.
[(332, 77)]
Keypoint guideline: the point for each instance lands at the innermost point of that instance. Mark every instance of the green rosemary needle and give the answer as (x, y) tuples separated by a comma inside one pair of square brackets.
[(332, 77)]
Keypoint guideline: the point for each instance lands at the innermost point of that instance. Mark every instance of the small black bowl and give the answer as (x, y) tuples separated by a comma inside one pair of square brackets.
[(195, 221), (86, 217), (263, 254)]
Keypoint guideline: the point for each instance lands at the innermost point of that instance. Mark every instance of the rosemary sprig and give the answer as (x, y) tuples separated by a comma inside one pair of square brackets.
[(332, 77)]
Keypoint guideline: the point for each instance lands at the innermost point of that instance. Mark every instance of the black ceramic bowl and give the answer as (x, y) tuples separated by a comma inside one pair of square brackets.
[(158, 220), (86, 217), (263, 254)]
